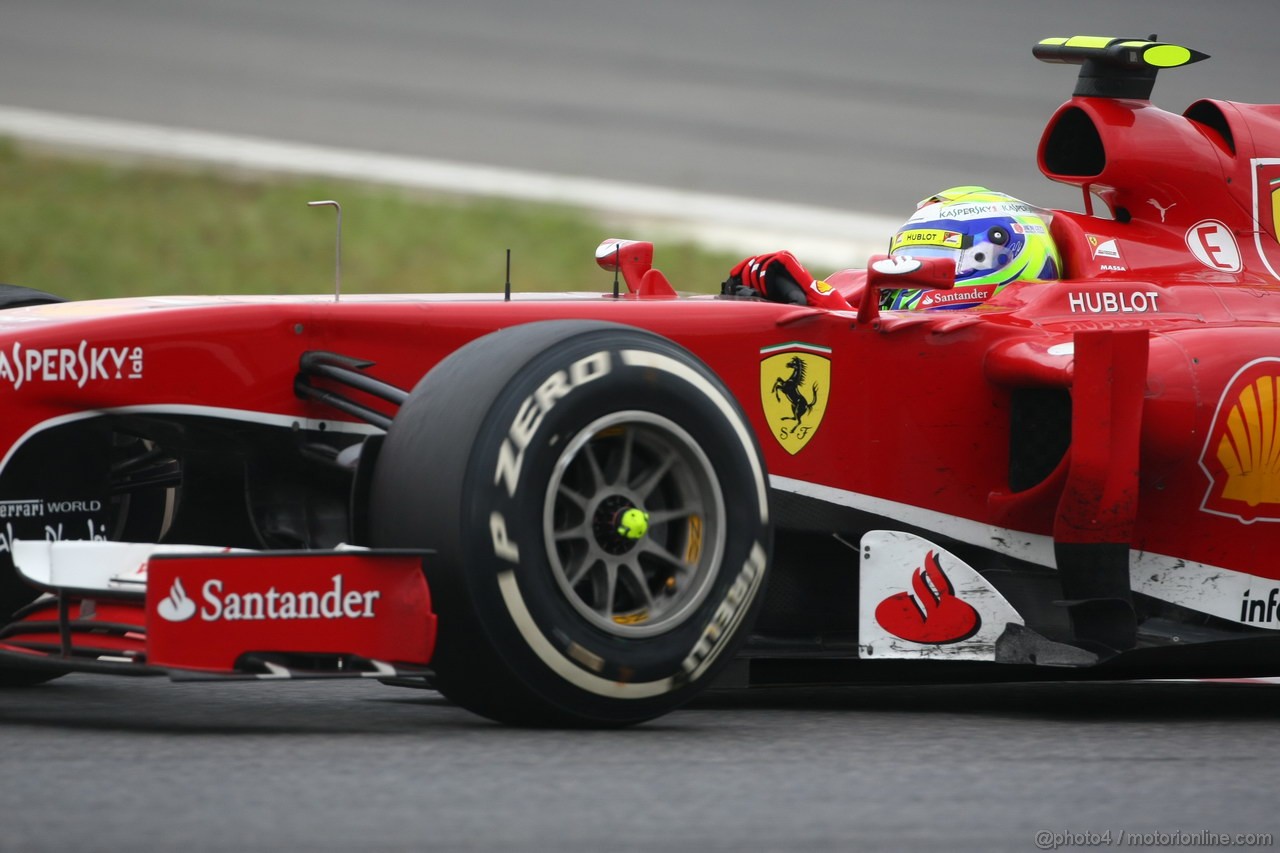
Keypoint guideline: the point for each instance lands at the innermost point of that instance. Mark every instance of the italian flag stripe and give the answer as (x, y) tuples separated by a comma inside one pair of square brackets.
[(790, 345)]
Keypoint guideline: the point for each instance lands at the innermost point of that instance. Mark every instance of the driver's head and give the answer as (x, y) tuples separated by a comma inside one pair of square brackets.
[(994, 238)]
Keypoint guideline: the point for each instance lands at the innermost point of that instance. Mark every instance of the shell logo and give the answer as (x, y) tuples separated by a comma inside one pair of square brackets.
[(1242, 454)]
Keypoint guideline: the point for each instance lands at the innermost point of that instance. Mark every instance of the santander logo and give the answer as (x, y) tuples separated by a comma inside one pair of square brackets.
[(934, 615), (217, 604), (176, 606)]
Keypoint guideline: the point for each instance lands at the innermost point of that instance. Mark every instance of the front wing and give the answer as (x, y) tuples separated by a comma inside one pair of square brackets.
[(194, 613)]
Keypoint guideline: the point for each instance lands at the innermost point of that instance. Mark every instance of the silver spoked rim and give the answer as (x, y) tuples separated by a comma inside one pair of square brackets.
[(634, 575)]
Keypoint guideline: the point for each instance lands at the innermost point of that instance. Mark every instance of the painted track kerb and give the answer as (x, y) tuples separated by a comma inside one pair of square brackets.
[(823, 238)]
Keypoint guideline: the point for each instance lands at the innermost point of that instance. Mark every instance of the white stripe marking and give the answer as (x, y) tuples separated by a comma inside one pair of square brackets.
[(658, 361), (820, 236), (1032, 547), (1215, 590), (560, 664), (285, 421)]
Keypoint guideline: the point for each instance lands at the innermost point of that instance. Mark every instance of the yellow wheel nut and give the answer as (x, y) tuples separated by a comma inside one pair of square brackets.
[(633, 524)]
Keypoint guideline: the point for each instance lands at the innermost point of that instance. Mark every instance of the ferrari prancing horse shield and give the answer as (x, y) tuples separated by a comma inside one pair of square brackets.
[(1266, 210), (795, 382)]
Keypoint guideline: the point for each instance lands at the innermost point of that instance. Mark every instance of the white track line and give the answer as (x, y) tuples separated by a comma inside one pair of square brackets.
[(823, 238)]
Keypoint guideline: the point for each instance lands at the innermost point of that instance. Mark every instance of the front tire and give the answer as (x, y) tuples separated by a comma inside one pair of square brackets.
[(13, 592), (598, 507)]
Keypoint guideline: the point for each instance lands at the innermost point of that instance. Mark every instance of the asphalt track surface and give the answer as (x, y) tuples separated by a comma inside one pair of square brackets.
[(864, 106), (92, 763)]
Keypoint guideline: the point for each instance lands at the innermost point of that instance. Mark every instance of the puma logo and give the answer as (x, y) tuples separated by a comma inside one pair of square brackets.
[(1163, 210)]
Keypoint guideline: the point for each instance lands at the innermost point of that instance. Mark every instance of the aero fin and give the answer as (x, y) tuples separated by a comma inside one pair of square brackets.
[(1115, 67)]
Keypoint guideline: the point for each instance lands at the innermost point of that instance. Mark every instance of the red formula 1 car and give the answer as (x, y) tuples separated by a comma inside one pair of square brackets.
[(590, 506)]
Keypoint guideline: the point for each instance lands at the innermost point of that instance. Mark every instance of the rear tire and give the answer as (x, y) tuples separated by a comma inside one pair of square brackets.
[(598, 507), (17, 296)]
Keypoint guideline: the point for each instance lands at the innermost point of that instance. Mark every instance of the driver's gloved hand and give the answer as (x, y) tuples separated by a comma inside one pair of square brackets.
[(777, 276)]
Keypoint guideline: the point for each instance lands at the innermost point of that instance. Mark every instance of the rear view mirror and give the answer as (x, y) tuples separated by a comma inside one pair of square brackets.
[(632, 258), (903, 271)]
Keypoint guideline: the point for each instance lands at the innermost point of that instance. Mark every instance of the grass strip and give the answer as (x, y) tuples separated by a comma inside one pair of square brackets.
[(85, 229)]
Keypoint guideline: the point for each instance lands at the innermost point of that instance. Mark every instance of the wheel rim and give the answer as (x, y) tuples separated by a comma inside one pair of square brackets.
[(634, 524)]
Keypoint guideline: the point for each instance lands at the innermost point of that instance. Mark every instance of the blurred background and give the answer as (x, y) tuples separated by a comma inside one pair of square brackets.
[(861, 107)]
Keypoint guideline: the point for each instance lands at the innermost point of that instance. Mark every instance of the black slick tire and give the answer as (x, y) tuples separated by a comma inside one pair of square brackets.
[(599, 509)]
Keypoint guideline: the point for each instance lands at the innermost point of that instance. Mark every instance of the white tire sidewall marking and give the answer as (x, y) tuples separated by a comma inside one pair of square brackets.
[(573, 672), (658, 361)]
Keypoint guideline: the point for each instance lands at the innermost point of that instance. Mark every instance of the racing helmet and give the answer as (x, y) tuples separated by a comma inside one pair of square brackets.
[(994, 238)]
